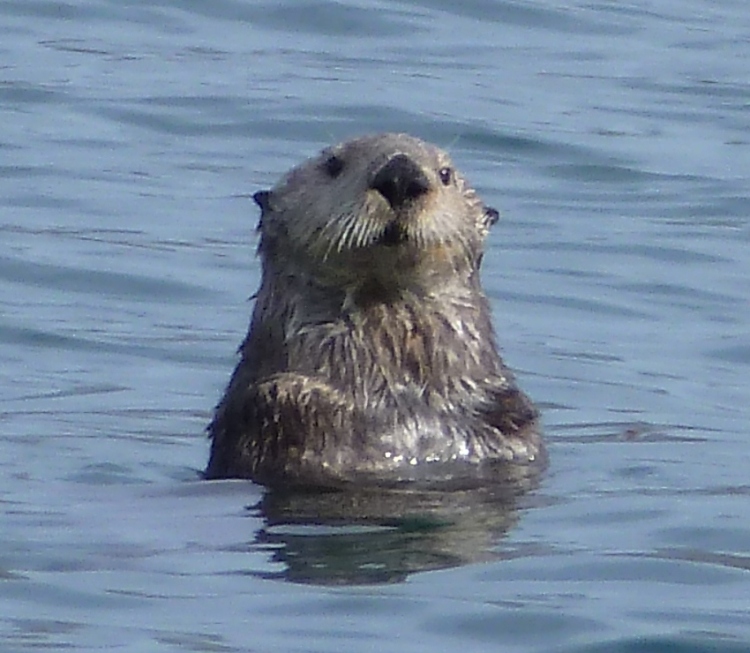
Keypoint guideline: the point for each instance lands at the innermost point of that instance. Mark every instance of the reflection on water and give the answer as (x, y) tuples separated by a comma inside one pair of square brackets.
[(383, 535)]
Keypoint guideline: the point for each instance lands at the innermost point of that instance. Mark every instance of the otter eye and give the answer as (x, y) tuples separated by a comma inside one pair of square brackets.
[(446, 175), (333, 166)]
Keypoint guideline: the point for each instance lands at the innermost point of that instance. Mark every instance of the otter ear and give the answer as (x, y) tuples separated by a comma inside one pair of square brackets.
[(491, 216), (263, 200)]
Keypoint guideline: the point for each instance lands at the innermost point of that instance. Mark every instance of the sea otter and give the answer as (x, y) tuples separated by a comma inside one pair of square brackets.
[(371, 357)]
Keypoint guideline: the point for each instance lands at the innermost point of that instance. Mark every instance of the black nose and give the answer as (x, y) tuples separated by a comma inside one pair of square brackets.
[(400, 181)]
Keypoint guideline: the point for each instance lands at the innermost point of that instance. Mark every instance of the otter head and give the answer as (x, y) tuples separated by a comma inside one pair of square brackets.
[(387, 210)]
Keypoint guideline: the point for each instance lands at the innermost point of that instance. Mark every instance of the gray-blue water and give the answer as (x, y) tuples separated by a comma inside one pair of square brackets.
[(613, 137)]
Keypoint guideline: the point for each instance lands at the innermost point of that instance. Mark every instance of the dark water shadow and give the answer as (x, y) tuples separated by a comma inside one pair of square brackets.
[(376, 536)]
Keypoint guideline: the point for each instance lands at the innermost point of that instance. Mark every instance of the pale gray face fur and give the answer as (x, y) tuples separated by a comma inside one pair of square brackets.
[(328, 216)]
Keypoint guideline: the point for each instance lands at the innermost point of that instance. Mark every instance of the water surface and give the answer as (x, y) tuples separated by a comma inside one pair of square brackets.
[(614, 140)]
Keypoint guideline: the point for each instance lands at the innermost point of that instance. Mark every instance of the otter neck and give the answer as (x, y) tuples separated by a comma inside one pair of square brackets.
[(404, 342)]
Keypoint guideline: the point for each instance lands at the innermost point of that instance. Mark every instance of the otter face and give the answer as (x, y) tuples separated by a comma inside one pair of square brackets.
[(386, 203)]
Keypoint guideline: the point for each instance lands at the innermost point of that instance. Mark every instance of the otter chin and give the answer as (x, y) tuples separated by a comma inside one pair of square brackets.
[(371, 357)]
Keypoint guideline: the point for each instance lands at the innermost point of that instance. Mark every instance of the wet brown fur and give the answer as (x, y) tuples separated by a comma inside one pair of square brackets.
[(370, 355)]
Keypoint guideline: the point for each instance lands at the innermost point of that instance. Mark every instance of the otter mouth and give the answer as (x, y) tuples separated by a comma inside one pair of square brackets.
[(393, 235)]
